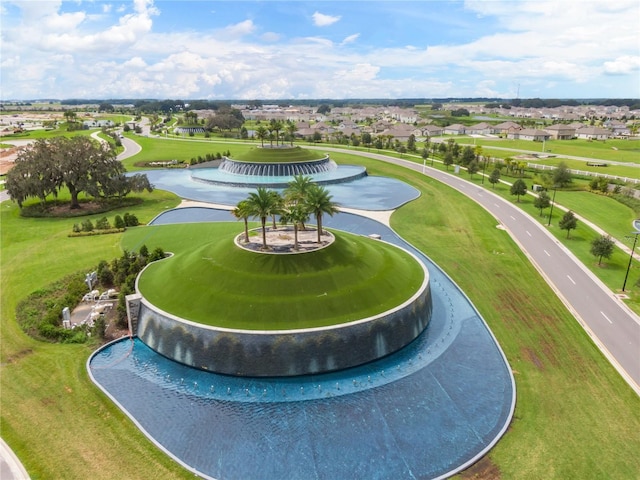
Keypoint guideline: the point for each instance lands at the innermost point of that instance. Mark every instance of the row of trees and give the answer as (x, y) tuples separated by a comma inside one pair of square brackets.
[(301, 199), (79, 164), (272, 131)]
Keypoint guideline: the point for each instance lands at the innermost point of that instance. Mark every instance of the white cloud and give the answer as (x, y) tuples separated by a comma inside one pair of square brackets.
[(270, 37), (239, 29), (322, 20), (350, 39), (622, 65), (54, 52)]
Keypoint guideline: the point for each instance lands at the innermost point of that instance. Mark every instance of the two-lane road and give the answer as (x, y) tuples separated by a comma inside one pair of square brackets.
[(612, 325)]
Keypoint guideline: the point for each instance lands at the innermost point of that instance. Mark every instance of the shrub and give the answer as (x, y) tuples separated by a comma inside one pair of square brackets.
[(118, 222), (87, 226), (103, 224), (130, 220)]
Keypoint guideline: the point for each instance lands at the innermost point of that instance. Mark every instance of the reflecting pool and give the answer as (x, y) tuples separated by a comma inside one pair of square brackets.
[(426, 411)]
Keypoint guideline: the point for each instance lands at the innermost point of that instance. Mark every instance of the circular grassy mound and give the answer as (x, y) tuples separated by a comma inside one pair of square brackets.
[(220, 284), (279, 154)]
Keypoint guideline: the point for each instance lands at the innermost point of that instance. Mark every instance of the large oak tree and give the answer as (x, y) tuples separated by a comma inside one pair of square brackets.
[(79, 164)]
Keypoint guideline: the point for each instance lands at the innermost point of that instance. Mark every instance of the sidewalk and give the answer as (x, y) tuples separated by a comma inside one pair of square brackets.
[(10, 466)]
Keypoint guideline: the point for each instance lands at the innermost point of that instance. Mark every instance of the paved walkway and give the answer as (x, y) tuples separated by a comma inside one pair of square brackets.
[(10, 466)]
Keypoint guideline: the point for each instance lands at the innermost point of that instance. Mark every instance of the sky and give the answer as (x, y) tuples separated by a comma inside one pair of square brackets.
[(269, 49)]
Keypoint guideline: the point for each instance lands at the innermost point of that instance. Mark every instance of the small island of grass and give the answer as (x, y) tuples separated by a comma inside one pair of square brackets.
[(219, 284), (279, 154)]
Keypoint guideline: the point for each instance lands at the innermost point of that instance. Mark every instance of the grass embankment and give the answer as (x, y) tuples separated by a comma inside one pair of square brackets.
[(279, 155), (59, 424), (167, 149), (617, 150), (575, 417), (214, 282), (605, 212)]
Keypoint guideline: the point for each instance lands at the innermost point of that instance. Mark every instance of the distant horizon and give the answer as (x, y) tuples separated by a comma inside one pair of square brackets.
[(277, 49), (293, 101)]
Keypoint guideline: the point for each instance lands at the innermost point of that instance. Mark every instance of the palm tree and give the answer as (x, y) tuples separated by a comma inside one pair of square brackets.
[(243, 211), (292, 128), (276, 126), (318, 201), (262, 204), (297, 189), (277, 207), (262, 133), (296, 214)]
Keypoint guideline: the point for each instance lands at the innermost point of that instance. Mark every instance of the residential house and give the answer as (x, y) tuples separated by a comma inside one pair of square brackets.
[(505, 127), (531, 134), (482, 128), (401, 131), (593, 133), (618, 129), (455, 129), (561, 131), (432, 131)]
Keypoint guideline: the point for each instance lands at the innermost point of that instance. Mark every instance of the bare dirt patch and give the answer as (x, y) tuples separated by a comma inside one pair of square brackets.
[(282, 240), (483, 469), (7, 158), (532, 358)]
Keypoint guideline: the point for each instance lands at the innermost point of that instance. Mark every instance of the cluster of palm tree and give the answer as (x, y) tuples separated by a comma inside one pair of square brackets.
[(301, 199), (272, 131)]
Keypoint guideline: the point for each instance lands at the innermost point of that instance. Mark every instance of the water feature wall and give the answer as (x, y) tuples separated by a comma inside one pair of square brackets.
[(285, 353), (283, 169)]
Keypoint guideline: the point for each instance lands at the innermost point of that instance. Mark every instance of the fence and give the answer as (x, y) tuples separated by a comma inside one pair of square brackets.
[(586, 173)]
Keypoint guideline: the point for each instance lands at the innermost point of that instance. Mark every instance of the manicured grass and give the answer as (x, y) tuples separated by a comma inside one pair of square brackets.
[(567, 423), (212, 281), (160, 149), (575, 417), (61, 131), (279, 155), (614, 149), (603, 211)]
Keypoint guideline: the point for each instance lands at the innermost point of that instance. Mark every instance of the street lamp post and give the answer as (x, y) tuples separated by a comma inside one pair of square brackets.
[(552, 204), (635, 239)]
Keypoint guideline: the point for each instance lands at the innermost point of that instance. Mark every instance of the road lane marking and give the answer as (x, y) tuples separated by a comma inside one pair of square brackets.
[(497, 205), (512, 217), (528, 232), (572, 281), (548, 254), (608, 319)]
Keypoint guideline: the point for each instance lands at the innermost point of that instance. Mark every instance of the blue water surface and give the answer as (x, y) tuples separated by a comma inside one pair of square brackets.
[(424, 412), (367, 193)]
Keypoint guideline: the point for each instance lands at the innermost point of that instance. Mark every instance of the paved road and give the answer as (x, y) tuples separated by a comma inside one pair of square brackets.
[(611, 324)]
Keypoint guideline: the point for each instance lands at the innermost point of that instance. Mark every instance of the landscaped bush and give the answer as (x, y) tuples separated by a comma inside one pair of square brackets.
[(103, 224), (59, 208), (87, 226), (130, 220), (40, 314)]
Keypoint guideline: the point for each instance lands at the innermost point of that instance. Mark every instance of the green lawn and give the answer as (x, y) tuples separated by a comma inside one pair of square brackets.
[(614, 149), (163, 150), (575, 417), (279, 155), (600, 210), (214, 282)]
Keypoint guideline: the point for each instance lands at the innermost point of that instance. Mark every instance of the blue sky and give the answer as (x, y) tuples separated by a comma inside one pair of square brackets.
[(324, 49)]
